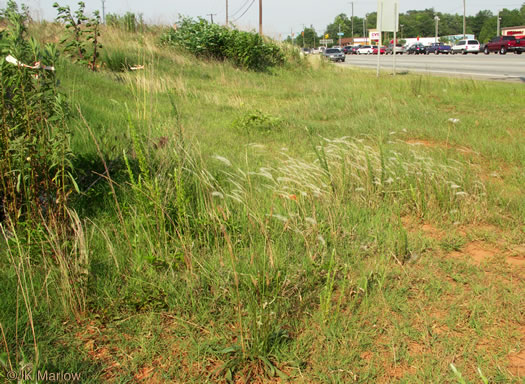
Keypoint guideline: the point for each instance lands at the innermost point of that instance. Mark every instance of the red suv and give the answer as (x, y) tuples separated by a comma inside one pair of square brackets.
[(504, 44)]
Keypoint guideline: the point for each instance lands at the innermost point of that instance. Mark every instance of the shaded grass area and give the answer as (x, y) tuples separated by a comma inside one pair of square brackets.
[(239, 254)]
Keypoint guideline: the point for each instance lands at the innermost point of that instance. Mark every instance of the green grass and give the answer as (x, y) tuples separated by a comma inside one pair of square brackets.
[(331, 248)]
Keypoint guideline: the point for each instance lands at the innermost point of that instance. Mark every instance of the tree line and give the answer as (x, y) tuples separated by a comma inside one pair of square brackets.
[(415, 23)]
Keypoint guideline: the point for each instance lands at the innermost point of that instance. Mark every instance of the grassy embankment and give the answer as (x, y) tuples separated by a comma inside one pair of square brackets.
[(349, 232)]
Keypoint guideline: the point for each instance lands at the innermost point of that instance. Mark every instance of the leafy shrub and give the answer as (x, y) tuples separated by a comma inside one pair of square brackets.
[(244, 49), (35, 166), (257, 121)]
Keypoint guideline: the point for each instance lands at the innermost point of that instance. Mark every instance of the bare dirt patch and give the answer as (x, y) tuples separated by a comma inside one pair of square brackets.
[(478, 251), (416, 349), (517, 360), (413, 225), (396, 372), (440, 145)]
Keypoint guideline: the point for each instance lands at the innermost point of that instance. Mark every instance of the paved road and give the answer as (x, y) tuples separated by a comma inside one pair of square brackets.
[(509, 67)]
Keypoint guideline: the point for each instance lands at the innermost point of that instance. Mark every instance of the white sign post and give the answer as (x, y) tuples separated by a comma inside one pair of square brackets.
[(380, 7), (388, 21), (394, 47)]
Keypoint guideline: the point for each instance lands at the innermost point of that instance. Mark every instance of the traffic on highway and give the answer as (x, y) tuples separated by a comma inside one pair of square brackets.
[(499, 59)]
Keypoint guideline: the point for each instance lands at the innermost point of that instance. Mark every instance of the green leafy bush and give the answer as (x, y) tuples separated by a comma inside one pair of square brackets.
[(245, 49), (35, 158), (257, 121)]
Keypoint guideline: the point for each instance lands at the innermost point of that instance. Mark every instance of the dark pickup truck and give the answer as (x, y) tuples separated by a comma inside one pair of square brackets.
[(438, 48), (504, 44)]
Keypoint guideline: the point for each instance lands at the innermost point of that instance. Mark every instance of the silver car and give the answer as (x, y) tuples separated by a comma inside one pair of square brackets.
[(334, 54)]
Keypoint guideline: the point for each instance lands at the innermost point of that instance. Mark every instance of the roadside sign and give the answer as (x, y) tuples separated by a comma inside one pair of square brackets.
[(326, 41), (387, 11), (340, 34)]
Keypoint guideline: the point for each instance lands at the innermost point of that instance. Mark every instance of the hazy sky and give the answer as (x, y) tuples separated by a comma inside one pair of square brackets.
[(280, 16)]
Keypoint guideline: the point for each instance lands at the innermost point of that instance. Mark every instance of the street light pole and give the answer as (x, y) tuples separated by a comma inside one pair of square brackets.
[(352, 22), (365, 26), (498, 33), (260, 18), (437, 23), (464, 19)]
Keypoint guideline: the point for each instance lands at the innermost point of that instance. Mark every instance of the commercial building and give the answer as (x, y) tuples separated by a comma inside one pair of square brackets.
[(455, 38), (513, 31)]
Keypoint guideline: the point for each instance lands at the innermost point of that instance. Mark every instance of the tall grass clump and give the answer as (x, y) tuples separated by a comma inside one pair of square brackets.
[(35, 164), (129, 22), (117, 60), (244, 49)]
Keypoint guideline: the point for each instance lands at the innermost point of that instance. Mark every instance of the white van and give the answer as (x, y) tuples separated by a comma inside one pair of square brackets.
[(466, 46)]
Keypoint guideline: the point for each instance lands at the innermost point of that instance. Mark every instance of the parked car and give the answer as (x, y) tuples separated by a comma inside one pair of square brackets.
[(400, 49), (437, 48), (466, 46), (365, 50), (347, 50), (416, 49), (354, 49), (334, 54), (382, 50), (306, 51), (504, 44)]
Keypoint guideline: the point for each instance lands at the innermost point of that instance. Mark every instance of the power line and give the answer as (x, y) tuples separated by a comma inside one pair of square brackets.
[(244, 13), (240, 8)]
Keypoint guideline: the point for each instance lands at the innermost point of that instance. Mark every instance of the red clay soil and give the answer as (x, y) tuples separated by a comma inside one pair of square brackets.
[(435, 144), (517, 360), (478, 251)]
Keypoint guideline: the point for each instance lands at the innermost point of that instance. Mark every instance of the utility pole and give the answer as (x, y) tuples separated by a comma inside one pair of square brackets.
[(437, 23), (498, 33), (227, 21), (103, 11), (211, 16), (339, 34), (352, 22), (401, 25), (464, 19), (260, 18), (365, 27)]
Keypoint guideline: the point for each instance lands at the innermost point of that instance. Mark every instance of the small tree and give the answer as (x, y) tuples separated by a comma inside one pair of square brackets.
[(82, 34), (74, 40), (92, 35)]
